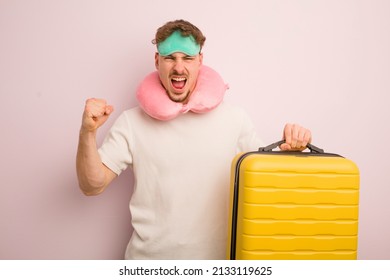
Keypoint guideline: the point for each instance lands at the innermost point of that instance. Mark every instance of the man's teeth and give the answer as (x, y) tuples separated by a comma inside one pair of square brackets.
[(179, 79)]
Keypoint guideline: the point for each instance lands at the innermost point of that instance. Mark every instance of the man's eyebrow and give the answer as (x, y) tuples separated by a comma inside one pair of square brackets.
[(189, 57), (186, 56)]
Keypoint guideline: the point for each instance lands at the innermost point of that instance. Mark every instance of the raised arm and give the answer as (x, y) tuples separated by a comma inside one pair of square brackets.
[(93, 175)]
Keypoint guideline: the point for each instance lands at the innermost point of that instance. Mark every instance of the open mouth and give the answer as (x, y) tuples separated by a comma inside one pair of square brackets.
[(178, 82)]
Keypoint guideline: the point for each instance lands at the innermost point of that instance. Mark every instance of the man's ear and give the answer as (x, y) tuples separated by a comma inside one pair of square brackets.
[(156, 59), (201, 58)]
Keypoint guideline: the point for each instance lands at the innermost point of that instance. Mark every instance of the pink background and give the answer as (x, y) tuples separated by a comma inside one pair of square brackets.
[(323, 64)]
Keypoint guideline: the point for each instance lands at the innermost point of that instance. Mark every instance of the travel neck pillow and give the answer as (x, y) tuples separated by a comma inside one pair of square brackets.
[(207, 95)]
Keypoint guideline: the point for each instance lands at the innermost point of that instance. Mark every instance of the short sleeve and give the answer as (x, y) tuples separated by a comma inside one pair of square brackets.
[(115, 151)]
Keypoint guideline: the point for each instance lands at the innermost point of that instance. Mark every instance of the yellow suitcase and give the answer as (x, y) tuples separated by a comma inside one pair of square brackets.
[(293, 205)]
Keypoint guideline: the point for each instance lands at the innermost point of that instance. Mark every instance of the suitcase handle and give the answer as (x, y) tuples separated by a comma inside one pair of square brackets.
[(269, 148)]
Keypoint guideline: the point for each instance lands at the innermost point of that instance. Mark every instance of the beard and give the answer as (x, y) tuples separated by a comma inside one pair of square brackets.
[(179, 98)]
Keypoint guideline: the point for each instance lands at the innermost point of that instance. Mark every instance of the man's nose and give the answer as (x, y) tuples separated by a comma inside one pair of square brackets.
[(179, 66)]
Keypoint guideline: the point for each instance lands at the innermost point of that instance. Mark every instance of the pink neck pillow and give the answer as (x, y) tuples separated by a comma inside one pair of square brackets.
[(208, 94)]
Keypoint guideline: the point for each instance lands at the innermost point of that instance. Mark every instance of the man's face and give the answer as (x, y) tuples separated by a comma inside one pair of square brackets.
[(178, 74)]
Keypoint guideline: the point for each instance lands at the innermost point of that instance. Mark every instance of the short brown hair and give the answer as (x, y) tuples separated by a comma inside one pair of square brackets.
[(186, 29)]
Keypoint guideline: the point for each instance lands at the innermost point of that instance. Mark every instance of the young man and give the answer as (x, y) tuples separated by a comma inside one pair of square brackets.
[(180, 143)]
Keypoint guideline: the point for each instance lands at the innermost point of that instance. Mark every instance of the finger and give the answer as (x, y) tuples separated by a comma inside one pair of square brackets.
[(306, 138), (109, 109), (95, 107), (294, 136), (300, 137), (287, 133), (285, 147)]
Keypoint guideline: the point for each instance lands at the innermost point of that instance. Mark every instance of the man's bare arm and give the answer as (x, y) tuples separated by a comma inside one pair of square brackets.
[(92, 174)]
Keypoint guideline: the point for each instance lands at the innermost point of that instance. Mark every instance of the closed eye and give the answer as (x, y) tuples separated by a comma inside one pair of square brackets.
[(169, 57), (189, 57), (186, 58)]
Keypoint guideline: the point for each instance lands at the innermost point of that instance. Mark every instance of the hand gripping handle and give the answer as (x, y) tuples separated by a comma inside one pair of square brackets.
[(269, 148)]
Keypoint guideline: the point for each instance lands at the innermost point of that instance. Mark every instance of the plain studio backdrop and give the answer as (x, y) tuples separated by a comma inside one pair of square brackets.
[(322, 64)]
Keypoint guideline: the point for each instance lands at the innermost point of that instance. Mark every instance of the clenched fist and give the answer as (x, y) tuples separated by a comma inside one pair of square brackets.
[(96, 112)]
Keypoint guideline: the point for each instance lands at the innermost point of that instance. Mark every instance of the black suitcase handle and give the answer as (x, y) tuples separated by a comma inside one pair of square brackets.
[(269, 148)]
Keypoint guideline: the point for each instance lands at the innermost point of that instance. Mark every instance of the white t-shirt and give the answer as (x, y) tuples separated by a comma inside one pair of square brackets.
[(181, 167)]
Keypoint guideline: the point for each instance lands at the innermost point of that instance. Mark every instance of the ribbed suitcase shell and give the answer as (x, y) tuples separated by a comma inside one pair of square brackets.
[(287, 205)]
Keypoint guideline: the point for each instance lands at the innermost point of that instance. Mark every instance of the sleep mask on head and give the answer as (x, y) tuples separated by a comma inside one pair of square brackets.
[(178, 43)]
